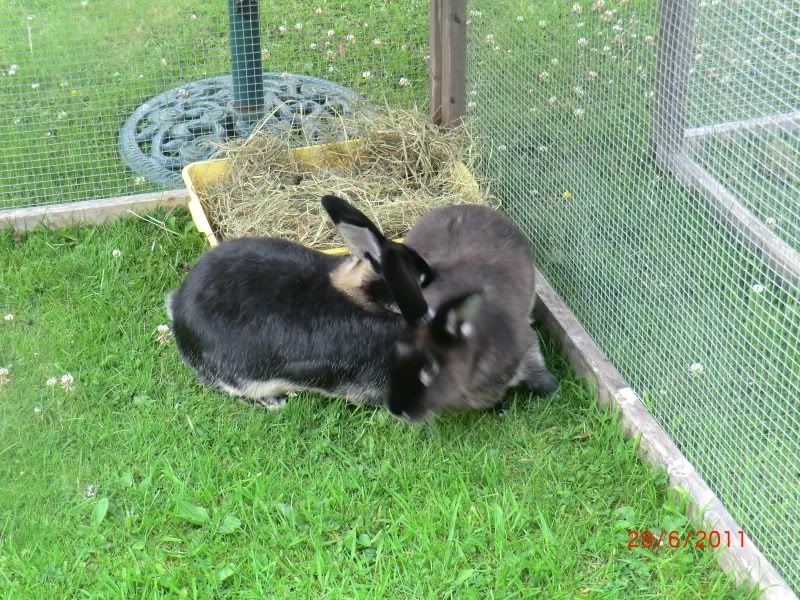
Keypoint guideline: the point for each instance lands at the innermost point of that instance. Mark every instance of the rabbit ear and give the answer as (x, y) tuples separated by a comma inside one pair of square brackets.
[(403, 279), (454, 319), (360, 235)]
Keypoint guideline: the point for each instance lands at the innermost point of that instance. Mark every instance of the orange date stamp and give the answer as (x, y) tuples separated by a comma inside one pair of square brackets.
[(700, 539)]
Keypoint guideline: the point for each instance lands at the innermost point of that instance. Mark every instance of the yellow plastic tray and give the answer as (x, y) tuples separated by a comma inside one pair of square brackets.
[(197, 176)]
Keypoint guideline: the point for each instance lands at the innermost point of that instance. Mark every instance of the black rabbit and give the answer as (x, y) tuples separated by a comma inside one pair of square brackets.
[(258, 317)]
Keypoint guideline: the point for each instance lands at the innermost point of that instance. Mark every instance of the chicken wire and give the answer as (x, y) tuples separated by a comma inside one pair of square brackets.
[(657, 171), (73, 71)]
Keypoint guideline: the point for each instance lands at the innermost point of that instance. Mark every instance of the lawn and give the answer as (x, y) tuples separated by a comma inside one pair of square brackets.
[(137, 482), (71, 72)]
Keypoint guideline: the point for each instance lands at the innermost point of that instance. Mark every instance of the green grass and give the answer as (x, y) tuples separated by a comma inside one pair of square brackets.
[(197, 495), (93, 66)]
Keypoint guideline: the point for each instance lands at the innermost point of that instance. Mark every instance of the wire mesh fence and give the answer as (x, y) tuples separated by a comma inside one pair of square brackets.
[(73, 71), (679, 293)]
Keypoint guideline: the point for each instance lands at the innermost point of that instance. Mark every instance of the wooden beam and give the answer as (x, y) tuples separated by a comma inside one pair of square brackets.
[(435, 52), (89, 212), (454, 59)]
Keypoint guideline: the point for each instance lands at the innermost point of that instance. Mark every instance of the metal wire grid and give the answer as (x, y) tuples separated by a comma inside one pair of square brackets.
[(71, 71), (694, 318), (746, 74)]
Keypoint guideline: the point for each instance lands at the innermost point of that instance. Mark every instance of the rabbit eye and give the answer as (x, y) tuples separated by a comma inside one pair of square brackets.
[(427, 374)]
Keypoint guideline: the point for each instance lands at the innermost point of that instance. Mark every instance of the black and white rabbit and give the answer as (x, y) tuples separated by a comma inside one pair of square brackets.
[(258, 317), (477, 341)]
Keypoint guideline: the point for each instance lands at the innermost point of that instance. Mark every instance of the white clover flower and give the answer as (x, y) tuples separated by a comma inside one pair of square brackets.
[(318, 10), (617, 28), (163, 333), (598, 5), (4, 376), (649, 40), (282, 28), (489, 38), (520, 18), (91, 491), (67, 381), (471, 105), (51, 381), (578, 90), (404, 82), (583, 42), (578, 112), (552, 100), (577, 9), (35, 86), (532, 109), (366, 75), (542, 149), (474, 13), (193, 17), (331, 69), (606, 50), (84, 3), (502, 147), (544, 76), (350, 38), (116, 253), (591, 75), (330, 53), (758, 288), (427, 57), (37, 410), (580, 25), (542, 24), (377, 42), (8, 317), (12, 70), (473, 92), (298, 26), (330, 33), (553, 61), (313, 45), (696, 369)]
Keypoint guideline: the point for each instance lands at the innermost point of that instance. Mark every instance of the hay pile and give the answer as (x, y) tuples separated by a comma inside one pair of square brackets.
[(401, 167)]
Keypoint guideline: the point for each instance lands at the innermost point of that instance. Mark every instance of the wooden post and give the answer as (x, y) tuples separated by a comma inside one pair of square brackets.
[(448, 50), (435, 43), (673, 60)]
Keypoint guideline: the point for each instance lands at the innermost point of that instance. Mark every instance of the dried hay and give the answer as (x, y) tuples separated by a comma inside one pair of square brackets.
[(398, 167)]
